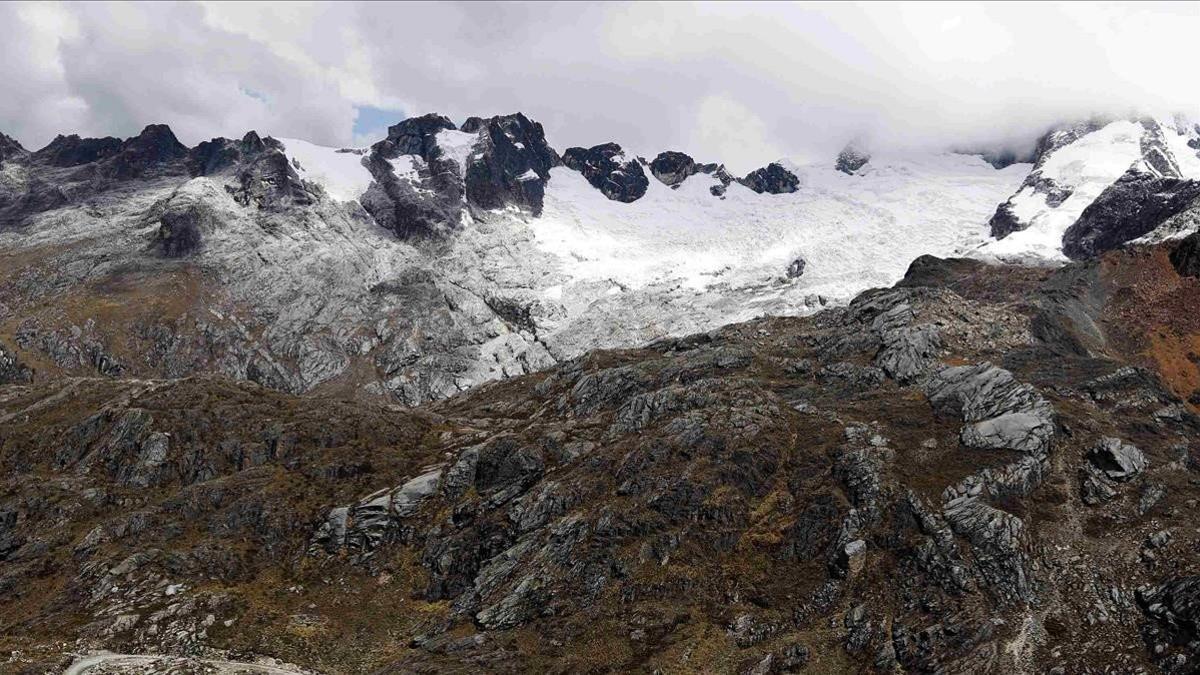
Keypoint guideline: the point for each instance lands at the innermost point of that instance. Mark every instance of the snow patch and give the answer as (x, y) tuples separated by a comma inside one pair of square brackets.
[(342, 174), (855, 232), (456, 145)]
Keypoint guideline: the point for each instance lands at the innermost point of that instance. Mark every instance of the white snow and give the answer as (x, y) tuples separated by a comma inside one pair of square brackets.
[(854, 231), (1086, 167), (456, 145), (406, 166), (342, 174)]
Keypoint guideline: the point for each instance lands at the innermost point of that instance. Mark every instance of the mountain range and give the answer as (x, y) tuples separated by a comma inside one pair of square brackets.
[(461, 402)]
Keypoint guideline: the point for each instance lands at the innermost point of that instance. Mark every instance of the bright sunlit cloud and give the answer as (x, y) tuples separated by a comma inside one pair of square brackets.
[(741, 83)]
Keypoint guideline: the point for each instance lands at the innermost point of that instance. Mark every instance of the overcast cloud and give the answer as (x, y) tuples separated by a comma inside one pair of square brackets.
[(739, 83)]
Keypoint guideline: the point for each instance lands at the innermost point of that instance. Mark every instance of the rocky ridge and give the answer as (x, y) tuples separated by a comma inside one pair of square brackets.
[(979, 469)]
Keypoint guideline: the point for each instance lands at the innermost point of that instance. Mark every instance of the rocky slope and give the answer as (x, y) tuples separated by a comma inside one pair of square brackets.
[(981, 469), (441, 257)]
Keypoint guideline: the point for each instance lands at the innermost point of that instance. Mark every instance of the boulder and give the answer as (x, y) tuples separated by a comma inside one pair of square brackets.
[(606, 169), (771, 179), (1118, 461), (851, 159), (795, 269)]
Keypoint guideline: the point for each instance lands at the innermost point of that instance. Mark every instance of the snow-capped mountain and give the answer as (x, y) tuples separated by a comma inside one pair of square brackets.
[(447, 255), (1143, 167)]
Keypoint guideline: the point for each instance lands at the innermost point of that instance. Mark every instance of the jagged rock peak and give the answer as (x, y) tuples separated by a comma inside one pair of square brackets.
[(852, 158), (415, 136), (10, 148), (607, 169), (218, 154), (672, 168), (510, 164), (65, 151), (771, 179)]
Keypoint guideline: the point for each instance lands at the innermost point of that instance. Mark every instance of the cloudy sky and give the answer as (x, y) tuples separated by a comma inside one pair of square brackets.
[(740, 83)]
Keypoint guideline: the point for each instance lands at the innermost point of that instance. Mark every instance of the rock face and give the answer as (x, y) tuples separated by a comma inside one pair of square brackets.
[(511, 164), (1185, 257), (851, 159), (429, 174), (68, 151), (671, 168), (1131, 207), (607, 169), (10, 149), (863, 486), (1119, 461), (428, 205), (1096, 205), (771, 179)]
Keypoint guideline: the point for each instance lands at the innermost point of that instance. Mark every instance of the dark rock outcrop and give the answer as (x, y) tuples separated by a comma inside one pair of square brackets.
[(1185, 257), (427, 204), (1134, 205), (268, 181), (220, 154), (154, 150), (795, 269), (511, 164), (12, 371), (672, 168), (67, 151), (415, 136), (771, 179), (851, 159), (181, 231), (1119, 461), (10, 149), (606, 169)]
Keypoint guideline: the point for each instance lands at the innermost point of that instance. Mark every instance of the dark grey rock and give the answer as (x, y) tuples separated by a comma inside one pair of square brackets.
[(1185, 257), (10, 149), (606, 169), (795, 268), (771, 179), (67, 151), (672, 168), (1133, 206), (511, 163), (1119, 461), (269, 182), (908, 352), (851, 159), (221, 154), (181, 231), (12, 371)]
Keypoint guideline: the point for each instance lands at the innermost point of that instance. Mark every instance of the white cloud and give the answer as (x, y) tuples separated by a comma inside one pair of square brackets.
[(795, 79)]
